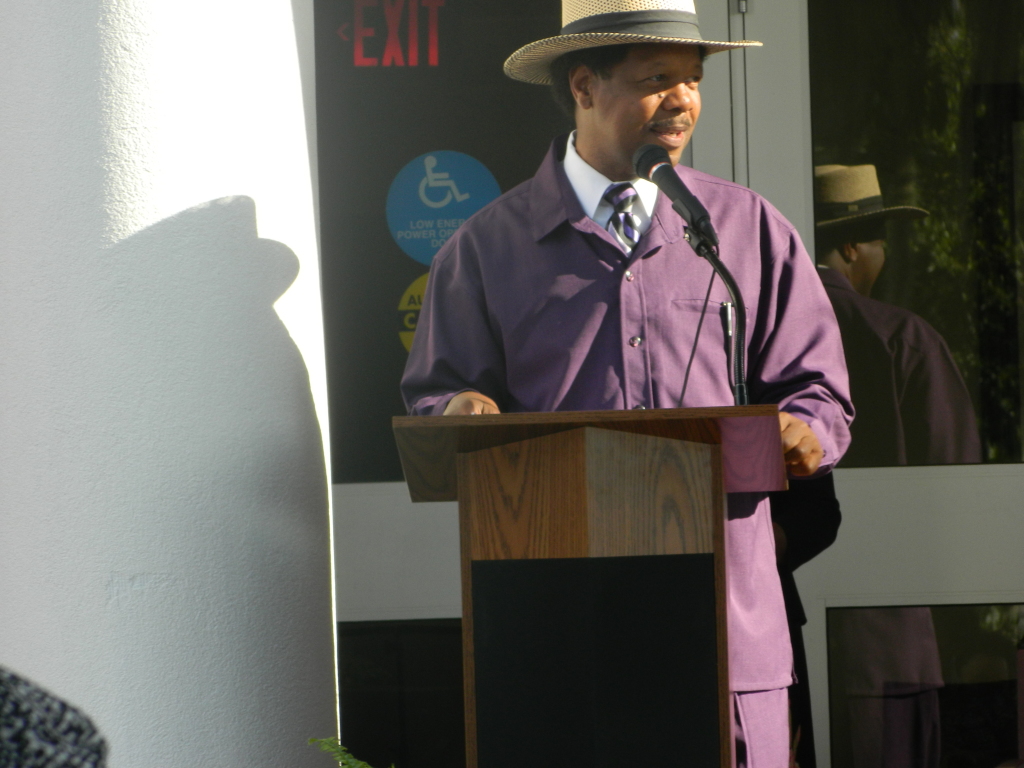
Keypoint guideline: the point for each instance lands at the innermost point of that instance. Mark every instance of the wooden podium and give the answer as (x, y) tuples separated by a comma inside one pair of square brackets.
[(593, 576)]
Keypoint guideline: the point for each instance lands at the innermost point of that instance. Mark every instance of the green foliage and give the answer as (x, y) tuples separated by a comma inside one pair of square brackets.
[(936, 113), (345, 759), (1005, 620)]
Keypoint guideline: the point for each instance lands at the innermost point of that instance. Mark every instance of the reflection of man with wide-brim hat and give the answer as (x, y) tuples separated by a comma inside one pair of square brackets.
[(578, 290), (850, 218), (912, 404), (846, 194)]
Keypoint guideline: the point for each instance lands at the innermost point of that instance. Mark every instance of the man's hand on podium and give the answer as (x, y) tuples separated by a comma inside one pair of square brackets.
[(803, 452), (470, 404)]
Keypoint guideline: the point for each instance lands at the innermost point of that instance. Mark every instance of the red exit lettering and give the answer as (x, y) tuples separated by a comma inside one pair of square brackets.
[(432, 8), (394, 53), (362, 31)]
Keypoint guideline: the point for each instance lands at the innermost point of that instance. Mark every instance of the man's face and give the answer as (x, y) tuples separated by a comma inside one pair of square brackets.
[(650, 98)]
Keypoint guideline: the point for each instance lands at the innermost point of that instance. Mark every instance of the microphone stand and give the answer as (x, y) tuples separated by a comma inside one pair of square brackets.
[(652, 162), (737, 332)]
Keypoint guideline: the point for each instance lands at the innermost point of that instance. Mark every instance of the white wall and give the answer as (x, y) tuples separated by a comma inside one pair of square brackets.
[(396, 560), (164, 529), (778, 110)]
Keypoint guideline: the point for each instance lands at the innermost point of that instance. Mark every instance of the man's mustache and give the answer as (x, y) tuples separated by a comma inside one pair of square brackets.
[(671, 125)]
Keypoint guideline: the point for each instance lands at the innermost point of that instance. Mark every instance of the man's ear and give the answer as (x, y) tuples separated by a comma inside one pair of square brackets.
[(581, 81), (849, 252)]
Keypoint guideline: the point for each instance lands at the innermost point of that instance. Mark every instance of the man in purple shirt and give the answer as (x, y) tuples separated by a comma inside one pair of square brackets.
[(578, 291)]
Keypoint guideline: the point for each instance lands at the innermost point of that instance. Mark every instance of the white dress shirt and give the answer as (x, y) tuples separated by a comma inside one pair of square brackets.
[(590, 186)]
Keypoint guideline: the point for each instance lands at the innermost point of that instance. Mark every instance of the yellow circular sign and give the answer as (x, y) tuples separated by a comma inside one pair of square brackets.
[(409, 311)]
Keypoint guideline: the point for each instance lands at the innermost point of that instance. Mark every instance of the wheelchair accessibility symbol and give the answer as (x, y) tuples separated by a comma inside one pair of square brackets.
[(432, 196), (433, 179)]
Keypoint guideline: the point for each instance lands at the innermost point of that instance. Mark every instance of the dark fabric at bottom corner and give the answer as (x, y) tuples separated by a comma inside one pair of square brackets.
[(38, 730)]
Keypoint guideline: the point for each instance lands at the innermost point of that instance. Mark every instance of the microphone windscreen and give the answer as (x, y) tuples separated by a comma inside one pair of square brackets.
[(647, 157)]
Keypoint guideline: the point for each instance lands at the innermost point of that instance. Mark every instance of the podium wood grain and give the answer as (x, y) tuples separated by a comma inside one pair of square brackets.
[(616, 494)]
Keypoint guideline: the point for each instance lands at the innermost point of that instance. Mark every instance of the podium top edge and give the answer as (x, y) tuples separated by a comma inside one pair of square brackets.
[(428, 445), (583, 417)]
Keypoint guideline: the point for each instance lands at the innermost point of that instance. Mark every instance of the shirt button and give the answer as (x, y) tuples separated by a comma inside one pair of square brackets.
[(639, 407), (635, 341), (630, 277)]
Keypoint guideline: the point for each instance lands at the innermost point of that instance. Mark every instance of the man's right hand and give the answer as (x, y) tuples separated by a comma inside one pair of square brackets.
[(470, 404)]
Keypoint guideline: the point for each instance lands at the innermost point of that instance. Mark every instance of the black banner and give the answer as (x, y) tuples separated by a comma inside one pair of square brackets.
[(417, 129)]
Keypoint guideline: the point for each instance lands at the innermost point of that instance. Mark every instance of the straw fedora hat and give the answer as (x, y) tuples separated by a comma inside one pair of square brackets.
[(850, 193), (593, 23)]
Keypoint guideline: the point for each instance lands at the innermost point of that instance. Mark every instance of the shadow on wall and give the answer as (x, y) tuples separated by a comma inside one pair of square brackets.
[(197, 431), (197, 348)]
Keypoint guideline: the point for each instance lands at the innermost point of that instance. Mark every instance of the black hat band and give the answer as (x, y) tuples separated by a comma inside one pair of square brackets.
[(828, 211), (678, 24)]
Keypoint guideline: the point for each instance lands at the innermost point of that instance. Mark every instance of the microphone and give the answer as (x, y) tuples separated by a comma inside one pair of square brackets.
[(651, 162)]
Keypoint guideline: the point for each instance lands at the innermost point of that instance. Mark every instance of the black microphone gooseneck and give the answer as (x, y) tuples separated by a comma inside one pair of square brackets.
[(652, 162)]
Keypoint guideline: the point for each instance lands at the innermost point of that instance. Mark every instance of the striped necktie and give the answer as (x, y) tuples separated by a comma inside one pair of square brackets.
[(623, 224)]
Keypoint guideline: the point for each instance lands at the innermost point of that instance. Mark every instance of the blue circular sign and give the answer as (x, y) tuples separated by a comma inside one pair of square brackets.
[(432, 196)]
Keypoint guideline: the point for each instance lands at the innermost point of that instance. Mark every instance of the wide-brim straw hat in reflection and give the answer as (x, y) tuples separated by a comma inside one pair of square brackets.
[(844, 194), (595, 23)]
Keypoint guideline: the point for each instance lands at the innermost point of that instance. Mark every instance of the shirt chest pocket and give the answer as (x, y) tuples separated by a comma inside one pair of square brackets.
[(719, 312), (684, 327), (691, 313)]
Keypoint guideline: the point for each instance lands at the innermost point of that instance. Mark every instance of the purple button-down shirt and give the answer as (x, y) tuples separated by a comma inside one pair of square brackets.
[(535, 305)]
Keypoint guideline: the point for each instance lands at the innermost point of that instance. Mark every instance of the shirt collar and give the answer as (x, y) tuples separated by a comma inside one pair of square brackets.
[(834, 278), (590, 184), (553, 202)]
